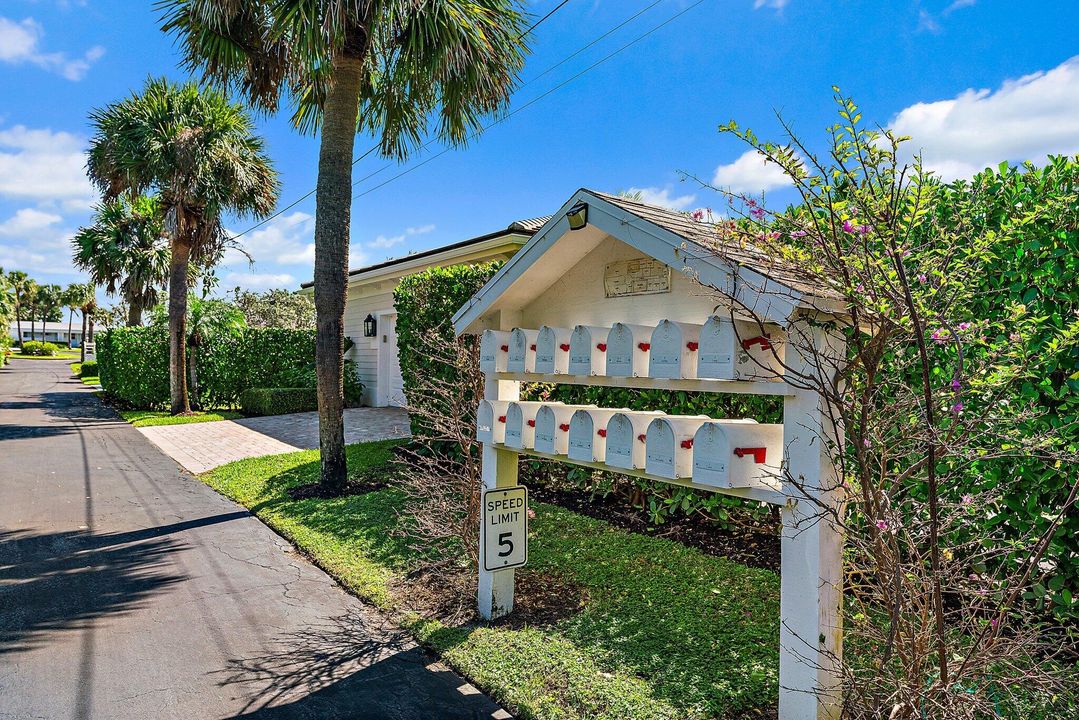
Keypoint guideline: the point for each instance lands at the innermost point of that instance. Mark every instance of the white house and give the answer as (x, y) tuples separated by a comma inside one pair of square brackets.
[(55, 332), (370, 295)]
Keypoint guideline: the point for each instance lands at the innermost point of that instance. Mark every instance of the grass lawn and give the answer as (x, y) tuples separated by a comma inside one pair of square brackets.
[(61, 355), (148, 418), (76, 367), (662, 631)]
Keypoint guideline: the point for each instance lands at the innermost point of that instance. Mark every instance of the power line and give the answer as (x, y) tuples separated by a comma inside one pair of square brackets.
[(539, 22), (535, 100)]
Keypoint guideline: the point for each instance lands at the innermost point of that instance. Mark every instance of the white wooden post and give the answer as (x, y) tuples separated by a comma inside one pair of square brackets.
[(811, 625), (495, 594)]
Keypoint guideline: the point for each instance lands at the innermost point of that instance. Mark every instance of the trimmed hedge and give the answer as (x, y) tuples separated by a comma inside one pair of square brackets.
[(134, 365), (278, 401), (38, 348), (88, 369)]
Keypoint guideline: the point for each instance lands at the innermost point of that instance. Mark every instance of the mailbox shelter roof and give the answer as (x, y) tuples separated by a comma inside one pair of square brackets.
[(770, 288)]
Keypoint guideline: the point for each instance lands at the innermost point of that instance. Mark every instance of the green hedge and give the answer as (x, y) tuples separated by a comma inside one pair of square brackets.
[(88, 369), (38, 348), (134, 365), (278, 401)]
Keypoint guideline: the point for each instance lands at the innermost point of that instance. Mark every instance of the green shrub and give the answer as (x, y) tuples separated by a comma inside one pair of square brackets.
[(277, 401), (133, 365), (39, 349), (88, 369), (425, 303)]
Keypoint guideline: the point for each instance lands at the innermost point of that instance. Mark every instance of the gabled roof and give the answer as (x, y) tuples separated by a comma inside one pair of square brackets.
[(526, 228), (769, 287)]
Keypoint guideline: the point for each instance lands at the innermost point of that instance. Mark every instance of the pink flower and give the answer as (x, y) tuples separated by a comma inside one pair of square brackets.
[(964, 326), (967, 499), (860, 287), (531, 513), (799, 234), (698, 215), (1014, 337), (882, 525), (866, 443), (993, 622), (757, 213), (848, 226), (864, 229), (922, 278), (958, 407), (956, 384)]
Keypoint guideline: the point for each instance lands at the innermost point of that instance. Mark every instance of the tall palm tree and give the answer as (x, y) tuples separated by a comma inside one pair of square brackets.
[(125, 250), (198, 152), (385, 67), (85, 294), (71, 302), (48, 303), (22, 287)]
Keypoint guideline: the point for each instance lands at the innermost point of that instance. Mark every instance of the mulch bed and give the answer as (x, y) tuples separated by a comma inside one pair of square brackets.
[(753, 547)]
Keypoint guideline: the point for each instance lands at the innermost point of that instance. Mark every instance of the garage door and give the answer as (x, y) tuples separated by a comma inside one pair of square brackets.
[(391, 386)]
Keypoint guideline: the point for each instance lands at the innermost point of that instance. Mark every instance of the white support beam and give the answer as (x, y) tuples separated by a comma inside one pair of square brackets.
[(811, 575)]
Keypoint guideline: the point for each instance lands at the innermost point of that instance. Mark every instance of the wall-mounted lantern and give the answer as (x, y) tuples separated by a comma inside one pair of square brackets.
[(370, 326), (578, 216)]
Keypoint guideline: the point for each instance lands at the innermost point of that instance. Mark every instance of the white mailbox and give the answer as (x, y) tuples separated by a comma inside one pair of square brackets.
[(674, 348), (588, 350), (521, 424), (552, 350), (628, 349), (760, 354), (552, 427), (718, 351), (626, 438), (494, 350), (669, 445), (738, 454), (588, 434), (522, 352), (491, 421)]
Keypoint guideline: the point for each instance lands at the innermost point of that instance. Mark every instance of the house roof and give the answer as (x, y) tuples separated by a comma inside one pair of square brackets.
[(708, 236), (768, 287), (49, 326), (518, 227)]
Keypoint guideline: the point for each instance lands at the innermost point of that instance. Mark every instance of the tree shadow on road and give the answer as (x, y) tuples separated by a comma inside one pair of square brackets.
[(353, 666)]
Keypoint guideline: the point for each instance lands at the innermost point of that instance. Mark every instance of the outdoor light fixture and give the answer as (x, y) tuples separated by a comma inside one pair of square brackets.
[(370, 327), (578, 216)]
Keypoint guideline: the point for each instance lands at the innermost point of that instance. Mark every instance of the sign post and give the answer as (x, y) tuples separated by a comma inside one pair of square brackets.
[(505, 528)]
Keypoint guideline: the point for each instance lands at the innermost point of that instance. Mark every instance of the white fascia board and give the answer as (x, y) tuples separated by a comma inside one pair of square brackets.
[(408, 266), (764, 298), (552, 231)]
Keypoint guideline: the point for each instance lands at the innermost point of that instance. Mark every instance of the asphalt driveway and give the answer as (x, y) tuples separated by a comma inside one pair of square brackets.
[(128, 589)]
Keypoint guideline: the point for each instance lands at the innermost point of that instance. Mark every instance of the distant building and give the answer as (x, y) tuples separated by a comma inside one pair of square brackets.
[(55, 332), (370, 294)]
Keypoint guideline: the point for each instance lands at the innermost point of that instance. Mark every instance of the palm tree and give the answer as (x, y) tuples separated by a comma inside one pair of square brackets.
[(7, 301), (86, 296), (198, 152), (125, 250), (71, 299), (386, 67), (22, 286), (48, 303)]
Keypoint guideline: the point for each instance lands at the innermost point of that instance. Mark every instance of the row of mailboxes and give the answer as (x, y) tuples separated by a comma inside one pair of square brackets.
[(720, 349), (717, 453)]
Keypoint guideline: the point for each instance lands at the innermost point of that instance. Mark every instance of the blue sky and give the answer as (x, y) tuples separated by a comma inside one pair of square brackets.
[(975, 82)]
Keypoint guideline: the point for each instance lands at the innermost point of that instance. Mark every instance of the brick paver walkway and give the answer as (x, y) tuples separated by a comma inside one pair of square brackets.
[(203, 446)]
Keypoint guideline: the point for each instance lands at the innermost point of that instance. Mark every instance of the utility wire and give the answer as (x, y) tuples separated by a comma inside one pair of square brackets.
[(534, 100), (539, 22)]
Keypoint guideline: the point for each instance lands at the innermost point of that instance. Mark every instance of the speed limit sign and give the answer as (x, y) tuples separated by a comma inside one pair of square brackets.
[(505, 528)]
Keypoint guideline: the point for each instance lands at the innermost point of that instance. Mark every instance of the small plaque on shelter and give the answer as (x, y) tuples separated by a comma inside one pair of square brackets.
[(643, 276), (505, 528)]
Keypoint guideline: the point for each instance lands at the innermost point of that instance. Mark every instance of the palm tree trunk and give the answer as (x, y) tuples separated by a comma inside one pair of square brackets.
[(18, 318), (134, 314), (70, 322), (82, 338), (181, 256), (192, 362), (333, 200)]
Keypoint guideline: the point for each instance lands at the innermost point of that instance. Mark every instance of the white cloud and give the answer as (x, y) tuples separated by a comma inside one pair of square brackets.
[(421, 230), (20, 43), (386, 242), (750, 173), (43, 165), (959, 5), (285, 240), (776, 5), (1024, 119), (357, 258), (27, 223), (927, 23), (663, 197), (258, 281)]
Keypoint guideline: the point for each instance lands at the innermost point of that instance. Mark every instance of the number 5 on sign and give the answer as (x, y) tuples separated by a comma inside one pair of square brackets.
[(505, 528)]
